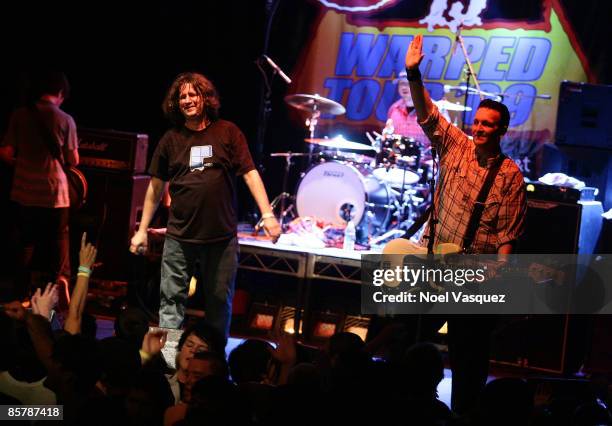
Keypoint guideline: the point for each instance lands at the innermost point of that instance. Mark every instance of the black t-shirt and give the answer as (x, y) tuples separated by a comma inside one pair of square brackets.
[(201, 167)]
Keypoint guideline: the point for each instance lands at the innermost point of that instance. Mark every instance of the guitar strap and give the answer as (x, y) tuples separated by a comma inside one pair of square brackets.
[(479, 205), (476, 212)]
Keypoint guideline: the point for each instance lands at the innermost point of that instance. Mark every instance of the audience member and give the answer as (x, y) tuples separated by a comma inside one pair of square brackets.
[(199, 337), (202, 364), (421, 372), (148, 398), (506, 401), (216, 402), (250, 361), (131, 325), (23, 375)]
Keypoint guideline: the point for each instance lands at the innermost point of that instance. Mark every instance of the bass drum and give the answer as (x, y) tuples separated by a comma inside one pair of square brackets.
[(328, 189)]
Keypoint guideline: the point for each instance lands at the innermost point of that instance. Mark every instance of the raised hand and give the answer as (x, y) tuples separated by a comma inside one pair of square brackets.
[(42, 303), (414, 54), (87, 255), (285, 350), (154, 341)]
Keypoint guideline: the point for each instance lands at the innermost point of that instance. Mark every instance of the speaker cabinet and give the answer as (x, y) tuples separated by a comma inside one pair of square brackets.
[(548, 343), (599, 356), (110, 215), (554, 228)]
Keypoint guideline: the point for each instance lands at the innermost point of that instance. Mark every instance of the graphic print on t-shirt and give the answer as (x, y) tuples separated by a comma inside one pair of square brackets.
[(197, 156)]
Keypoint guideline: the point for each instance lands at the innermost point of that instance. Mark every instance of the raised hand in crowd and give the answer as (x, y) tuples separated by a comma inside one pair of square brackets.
[(44, 302), (87, 257), (285, 350), (87, 254), (152, 343), (39, 330)]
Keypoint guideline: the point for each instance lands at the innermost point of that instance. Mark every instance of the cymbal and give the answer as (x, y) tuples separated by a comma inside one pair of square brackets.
[(449, 106), (312, 103), (289, 154), (338, 143), (472, 90)]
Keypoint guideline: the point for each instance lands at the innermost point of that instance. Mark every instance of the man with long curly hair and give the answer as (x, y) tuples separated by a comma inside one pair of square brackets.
[(200, 156)]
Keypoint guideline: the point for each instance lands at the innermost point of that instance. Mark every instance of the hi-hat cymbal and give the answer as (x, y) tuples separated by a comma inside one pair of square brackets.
[(339, 143), (312, 103), (449, 106)]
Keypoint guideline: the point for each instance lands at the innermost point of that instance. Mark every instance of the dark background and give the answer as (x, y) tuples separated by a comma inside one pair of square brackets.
[(120, 58)]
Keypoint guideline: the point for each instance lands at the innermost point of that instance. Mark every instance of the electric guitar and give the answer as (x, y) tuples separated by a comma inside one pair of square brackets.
[(394, 251), (77, 187), (404, 246)]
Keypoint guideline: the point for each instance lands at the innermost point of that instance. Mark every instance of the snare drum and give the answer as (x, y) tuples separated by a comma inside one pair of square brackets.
[(328, 189)]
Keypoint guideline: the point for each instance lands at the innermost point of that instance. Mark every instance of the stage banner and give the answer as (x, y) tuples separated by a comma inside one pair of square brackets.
[(519, 52)]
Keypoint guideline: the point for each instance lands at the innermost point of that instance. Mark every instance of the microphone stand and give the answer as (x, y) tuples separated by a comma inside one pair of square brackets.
[(284, 194), (433, 220), (540, 96), (265, 101), (265, 107), (431, 225), (469, 73)]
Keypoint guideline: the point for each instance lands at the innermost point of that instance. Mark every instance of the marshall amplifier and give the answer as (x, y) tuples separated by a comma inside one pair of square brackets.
[(109, 149)]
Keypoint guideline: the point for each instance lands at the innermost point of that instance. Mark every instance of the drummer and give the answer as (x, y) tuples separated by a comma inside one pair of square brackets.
[(402, 117)]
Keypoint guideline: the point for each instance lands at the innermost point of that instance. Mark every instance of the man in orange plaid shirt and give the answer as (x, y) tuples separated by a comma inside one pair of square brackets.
[(464, 163)]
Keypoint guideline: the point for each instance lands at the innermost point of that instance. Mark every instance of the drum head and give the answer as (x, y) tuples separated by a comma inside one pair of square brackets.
[(326, 188), (396, 176)]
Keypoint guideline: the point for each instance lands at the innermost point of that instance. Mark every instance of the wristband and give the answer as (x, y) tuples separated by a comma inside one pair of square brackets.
[(83, 274), (267, 215), (144, 356), (85, 269), (413, 74)]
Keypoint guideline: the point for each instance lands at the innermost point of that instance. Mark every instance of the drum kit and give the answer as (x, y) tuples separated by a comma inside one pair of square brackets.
[(380, 186)]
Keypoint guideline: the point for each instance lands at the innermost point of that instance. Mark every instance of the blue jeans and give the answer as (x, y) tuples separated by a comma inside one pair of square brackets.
[(218, 263)]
